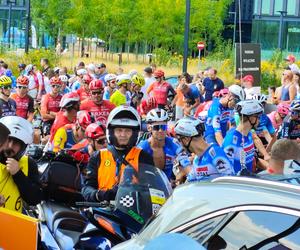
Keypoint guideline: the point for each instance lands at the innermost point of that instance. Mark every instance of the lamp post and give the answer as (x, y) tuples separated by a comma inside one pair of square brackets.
[(234, 27), (27, 26), (10, 2), (186, 35), (282, 14)]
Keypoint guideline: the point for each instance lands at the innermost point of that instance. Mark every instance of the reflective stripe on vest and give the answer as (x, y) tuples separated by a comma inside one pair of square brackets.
[(8, 187), (107, 169)]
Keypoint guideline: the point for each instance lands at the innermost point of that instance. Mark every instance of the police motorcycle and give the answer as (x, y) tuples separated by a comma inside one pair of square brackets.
[(103, 225)]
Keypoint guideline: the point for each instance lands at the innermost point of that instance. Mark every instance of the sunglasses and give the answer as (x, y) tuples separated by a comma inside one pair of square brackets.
[(97, 92), (22, 87), (55, 86), (162, 127), (295, 113), (6, 87), (101, 141)]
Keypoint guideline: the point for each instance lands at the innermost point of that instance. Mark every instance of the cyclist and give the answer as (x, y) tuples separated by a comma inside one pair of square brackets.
[(164, 149), (278, 116), (210, 161), (238, 143), (96, 106), (138, 81), (7, 105), (121, 96), (160, 89), (25, 103), (110, 80), (95, 133), (50, 105), (64, 87), (106, 166), (220, 114), (70, 134), (291, 124), (84, 91)]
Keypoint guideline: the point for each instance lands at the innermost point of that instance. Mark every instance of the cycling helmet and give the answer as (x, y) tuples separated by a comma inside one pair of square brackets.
[(157, 115), (8, 73), (223, 92), (123, 117), (23, 80), (151, 103), (260, 97), (138, 80), (83, 119), (189, 127), (295, 105), (238, 91), (87, 78), (123, 79), (159, 73), (95, 130), (249, 107), (20, 129), (29, 68), (69, 99), (81, 72), (283, 108), (110, 77), (96, 84), (5, 81), (63, 78), (55, 81)]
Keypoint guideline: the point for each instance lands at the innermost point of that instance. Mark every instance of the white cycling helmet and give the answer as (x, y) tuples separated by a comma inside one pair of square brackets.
[(237, 91), (157, 115), (189, 127), (249, 107), (260, 97), (63, 78), (69, 99), (295, 105), (81, 72), (124, 78), (110, 77)]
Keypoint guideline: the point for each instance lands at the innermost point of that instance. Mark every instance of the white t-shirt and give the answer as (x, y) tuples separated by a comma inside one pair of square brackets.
[(148, 82)]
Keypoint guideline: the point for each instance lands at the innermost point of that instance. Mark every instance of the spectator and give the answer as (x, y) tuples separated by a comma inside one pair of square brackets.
[(247, 83), (149, 79), (192, 98), (21, 68), (212, 84), (100, 72), (287, 92), (45, 65), (290, 59)]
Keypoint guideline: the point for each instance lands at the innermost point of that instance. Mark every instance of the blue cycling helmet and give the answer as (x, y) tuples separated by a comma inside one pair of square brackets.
[(295, 105)]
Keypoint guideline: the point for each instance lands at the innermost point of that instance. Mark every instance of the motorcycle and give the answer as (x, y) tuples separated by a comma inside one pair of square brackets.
[(93, 225)]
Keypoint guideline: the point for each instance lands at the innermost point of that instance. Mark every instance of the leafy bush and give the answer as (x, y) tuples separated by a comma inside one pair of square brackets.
[(162, 56), (269, 75)]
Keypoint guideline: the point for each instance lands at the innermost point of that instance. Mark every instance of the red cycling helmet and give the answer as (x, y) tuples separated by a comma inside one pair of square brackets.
[(87, 78), (159, 73), (23, 80), (69, 100), (55, 81), (151, 103), (95, 130), (83, 119), (283, 108), (96, 85)]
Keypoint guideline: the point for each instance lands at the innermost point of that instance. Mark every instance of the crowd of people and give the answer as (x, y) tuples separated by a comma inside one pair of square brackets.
[(116, 119)]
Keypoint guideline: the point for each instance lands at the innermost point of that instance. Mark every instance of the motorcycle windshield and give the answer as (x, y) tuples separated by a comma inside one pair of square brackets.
[(141, 193)]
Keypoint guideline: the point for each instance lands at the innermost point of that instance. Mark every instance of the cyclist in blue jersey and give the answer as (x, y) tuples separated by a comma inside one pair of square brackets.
[(165, 150), (291, 123), (210, 161), (238, 143), (220, 114)]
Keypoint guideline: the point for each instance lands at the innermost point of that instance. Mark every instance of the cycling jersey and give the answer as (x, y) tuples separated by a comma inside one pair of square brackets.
[(211, 164), (25, 105), (217, 120), (290, 129), (232, 146), (264, 124), (7, 108), (275, 124), (173, 151), (83, 94), (117, 98), (64, 138), (99, 112), (50, 104), (160, 91)]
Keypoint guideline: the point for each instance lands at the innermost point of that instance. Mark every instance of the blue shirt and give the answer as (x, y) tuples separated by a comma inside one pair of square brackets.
[(211, 86), (173, 151), (211, 164), (193, 95), (217, 118), (264, 124), (232, 146)]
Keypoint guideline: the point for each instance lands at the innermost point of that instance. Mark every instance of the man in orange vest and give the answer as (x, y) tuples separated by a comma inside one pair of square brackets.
[(105, 167)]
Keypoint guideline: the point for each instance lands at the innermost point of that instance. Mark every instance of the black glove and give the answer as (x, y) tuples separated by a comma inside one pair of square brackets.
[(107, 195)]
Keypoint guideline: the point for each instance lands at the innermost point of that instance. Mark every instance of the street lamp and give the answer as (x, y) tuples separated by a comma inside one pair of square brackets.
[(27, 26), (282, 14), (234, 27), (10, 2), (186, 35)]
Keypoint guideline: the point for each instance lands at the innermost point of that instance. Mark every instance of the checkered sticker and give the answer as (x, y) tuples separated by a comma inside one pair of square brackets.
[(127, 201)]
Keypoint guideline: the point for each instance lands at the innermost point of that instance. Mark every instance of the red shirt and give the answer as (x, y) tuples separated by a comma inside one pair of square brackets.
[(160, 91), (60, 121), (25, 105), (99, 112), (83, 94), (50, 104)]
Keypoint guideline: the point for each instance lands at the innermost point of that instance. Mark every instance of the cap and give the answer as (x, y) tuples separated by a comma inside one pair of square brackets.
[(290, 58), (101, 65), (22, 65), (148, 70), (248, 78)]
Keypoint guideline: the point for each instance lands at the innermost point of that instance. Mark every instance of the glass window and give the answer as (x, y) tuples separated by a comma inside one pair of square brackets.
[(265, 7), (255, 7), (291, 7), (249, 228), (278, 6)]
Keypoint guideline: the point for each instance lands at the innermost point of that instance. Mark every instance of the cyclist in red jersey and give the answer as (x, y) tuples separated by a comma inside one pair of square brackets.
[(69, 105), (50, 105), (96, 135), (25, 103), (96, 106), (160, 89), (83, 91)]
